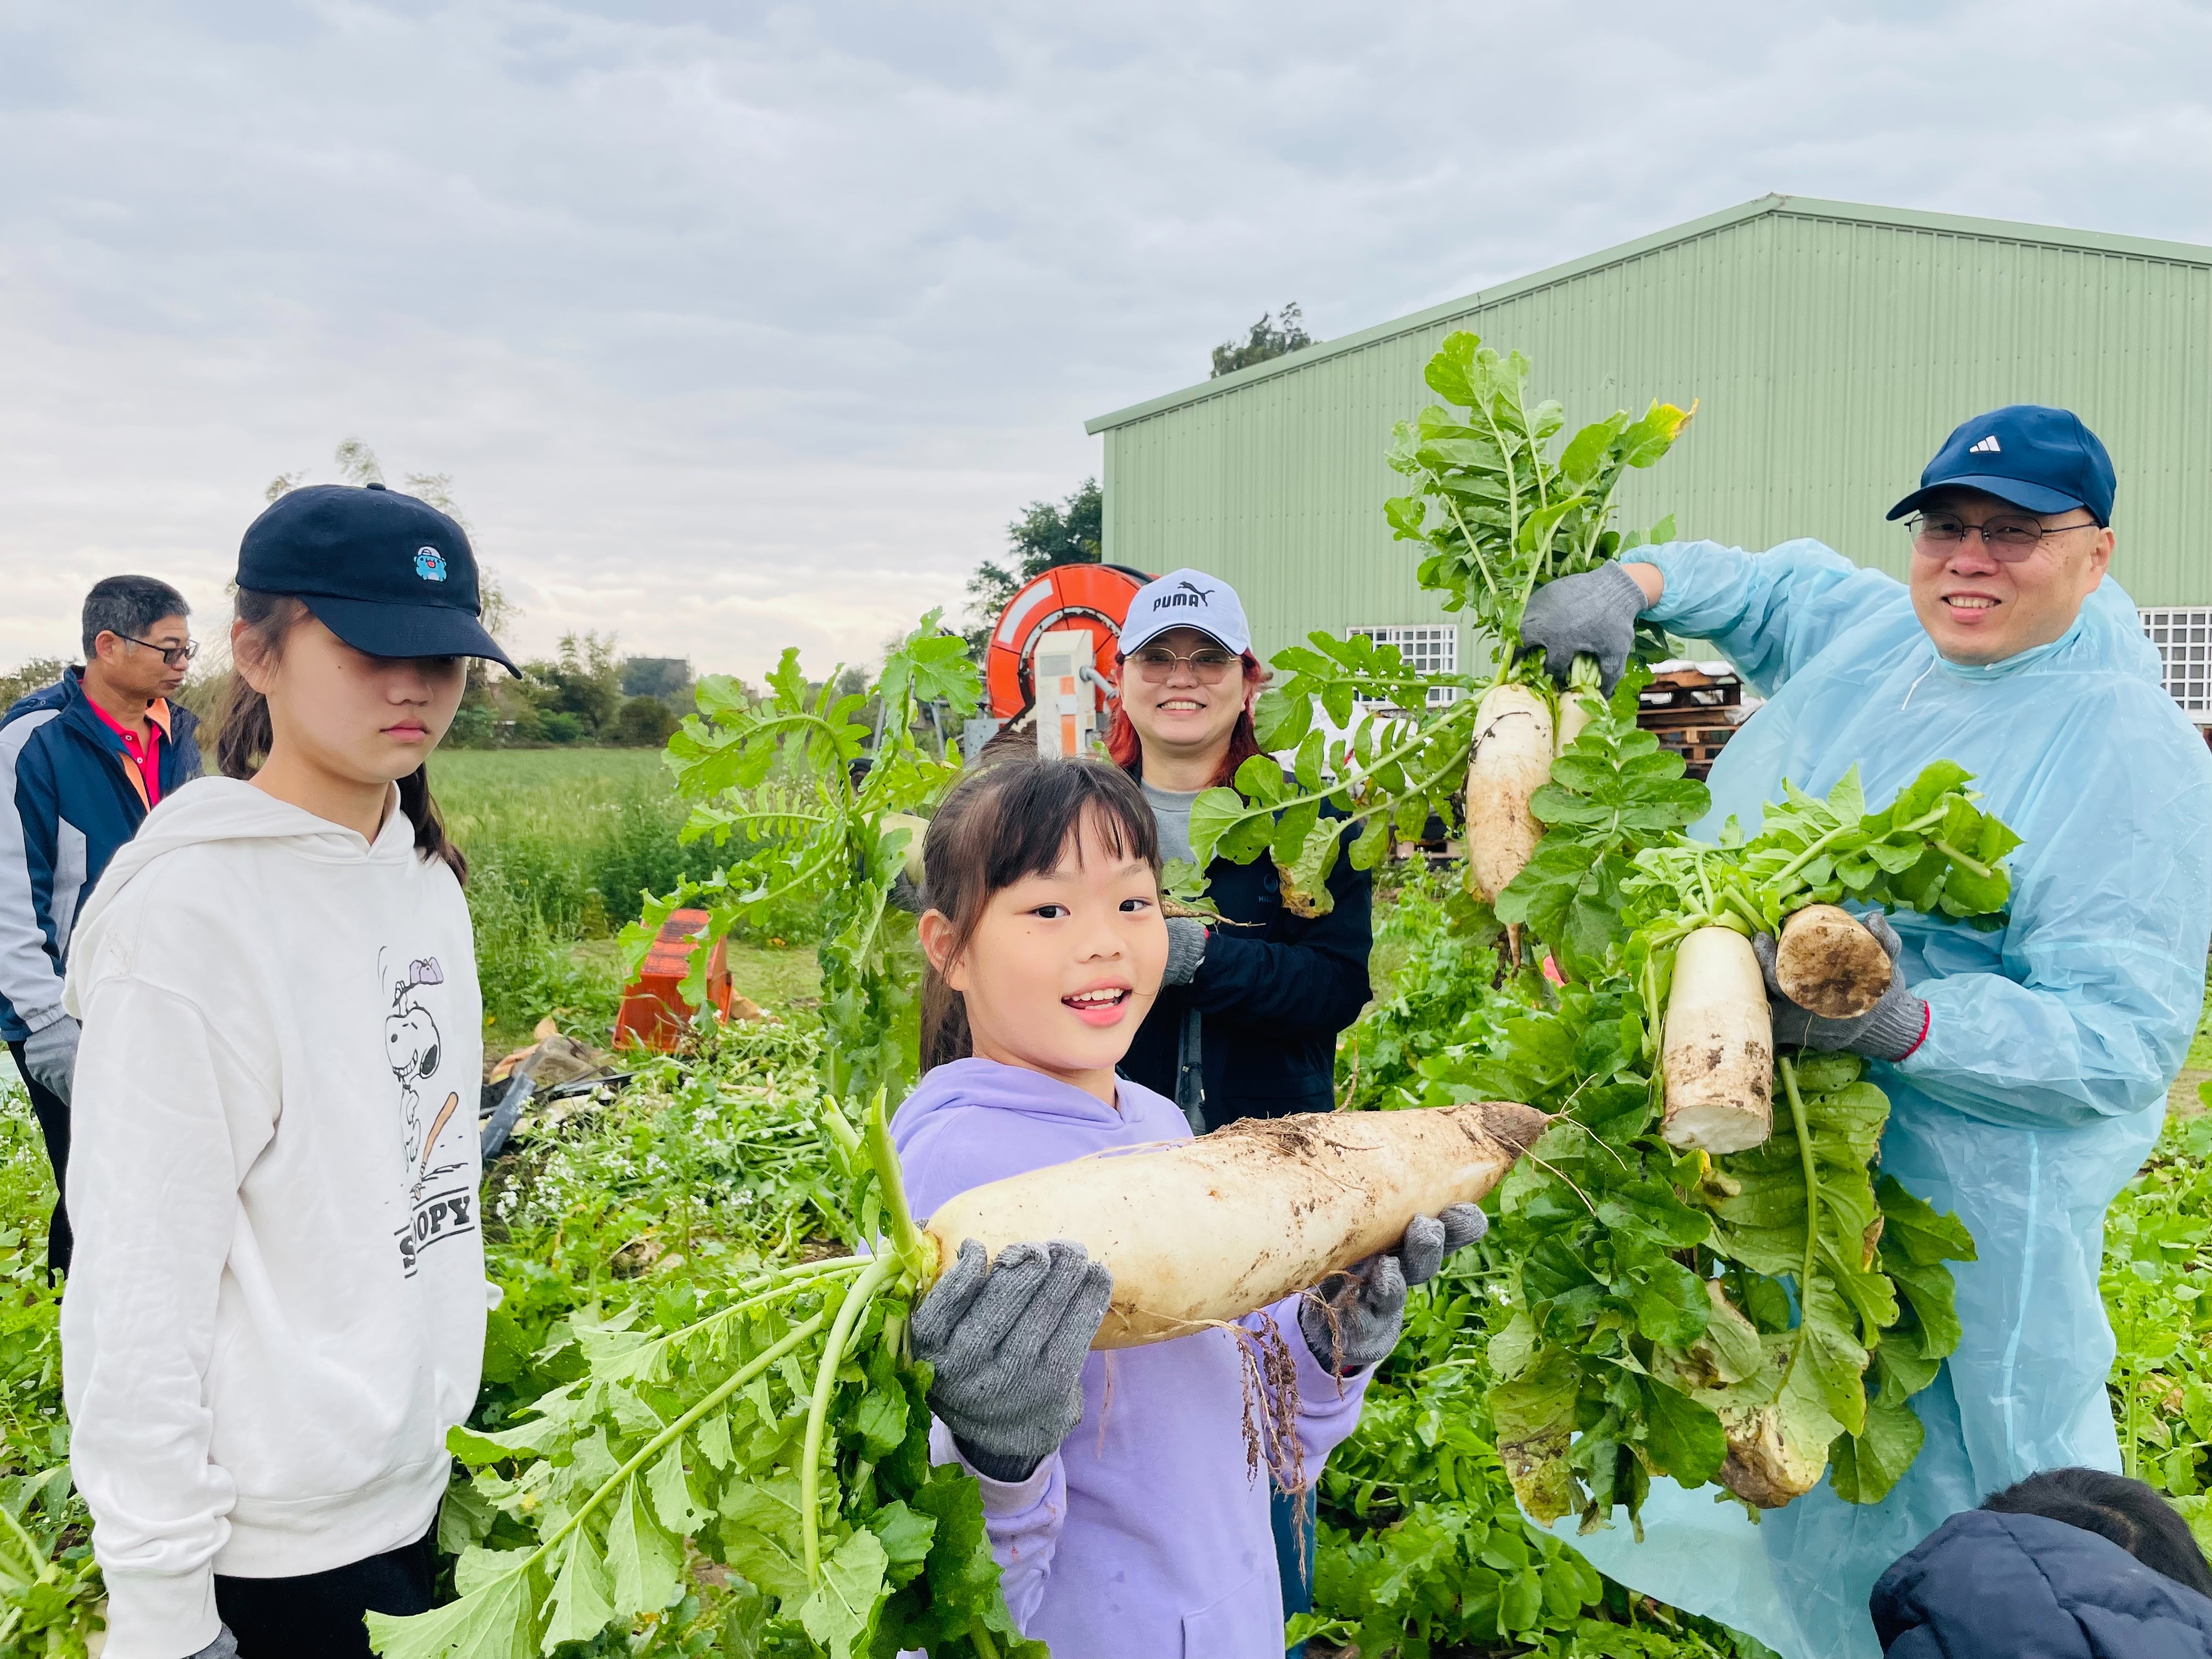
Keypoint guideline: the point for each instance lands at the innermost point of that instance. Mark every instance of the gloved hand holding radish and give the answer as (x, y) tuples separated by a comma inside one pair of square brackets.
[(1353, 1319), (1890, 1029), (1007, 1339), (1592, 615)]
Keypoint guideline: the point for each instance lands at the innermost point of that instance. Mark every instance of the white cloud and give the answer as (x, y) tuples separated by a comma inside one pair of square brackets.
[(737, 326)]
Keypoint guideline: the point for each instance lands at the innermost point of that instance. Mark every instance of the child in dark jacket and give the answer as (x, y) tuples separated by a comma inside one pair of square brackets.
[(2069, 1564)]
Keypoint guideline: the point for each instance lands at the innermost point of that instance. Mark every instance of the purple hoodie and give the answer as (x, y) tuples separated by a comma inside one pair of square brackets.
[(1144, 1534)]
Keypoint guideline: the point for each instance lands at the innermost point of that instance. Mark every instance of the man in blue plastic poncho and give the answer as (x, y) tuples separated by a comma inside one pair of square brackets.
[(2026, 1069)]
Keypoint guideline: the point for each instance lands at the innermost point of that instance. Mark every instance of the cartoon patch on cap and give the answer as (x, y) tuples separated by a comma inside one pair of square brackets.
[(429, 564)]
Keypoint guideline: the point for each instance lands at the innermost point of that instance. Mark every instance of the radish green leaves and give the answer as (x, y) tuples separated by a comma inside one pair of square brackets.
[(802, 783), (1499, 510), (783, 1433)]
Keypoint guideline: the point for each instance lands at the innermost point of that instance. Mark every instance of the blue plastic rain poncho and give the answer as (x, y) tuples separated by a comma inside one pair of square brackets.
[(2042, 1082)]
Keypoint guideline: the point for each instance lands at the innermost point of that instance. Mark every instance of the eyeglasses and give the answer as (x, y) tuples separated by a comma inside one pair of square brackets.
[(177, 656), (1208, 666), (2008, 540)]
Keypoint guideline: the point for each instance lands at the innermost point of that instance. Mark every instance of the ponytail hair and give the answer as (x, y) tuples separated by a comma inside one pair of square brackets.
[(1001, 823), (242, 742)]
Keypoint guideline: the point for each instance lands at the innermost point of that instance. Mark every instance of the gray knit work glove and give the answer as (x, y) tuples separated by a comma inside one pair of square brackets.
[(1890, 1030), (225, 1646), (1591, 615), (1008, 1339), (1186, 949), (1351, 1319), (50, 1056)]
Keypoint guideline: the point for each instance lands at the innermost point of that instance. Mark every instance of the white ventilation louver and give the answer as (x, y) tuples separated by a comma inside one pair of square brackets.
[(2182, 635), (1428, 649)]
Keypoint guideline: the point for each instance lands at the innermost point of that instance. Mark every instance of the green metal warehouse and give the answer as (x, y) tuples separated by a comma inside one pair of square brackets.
[(1830, 348)]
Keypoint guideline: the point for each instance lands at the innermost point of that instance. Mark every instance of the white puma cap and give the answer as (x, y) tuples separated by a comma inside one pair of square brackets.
[(1185, 598)]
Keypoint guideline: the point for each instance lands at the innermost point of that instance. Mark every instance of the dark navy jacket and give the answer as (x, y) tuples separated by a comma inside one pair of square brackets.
[(1271, 998), (75, 801), (1990, 1586)]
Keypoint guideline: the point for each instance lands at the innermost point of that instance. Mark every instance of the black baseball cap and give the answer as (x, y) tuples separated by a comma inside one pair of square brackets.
[(2044, 460), (387, 574)]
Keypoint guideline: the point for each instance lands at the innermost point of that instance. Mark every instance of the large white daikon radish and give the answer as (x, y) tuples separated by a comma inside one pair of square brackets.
[(1719, 1047), (1826, 962), (1512, 760), (1196, 1232)]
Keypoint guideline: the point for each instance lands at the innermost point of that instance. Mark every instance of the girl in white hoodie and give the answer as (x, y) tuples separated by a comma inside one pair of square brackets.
[(277, 1304)]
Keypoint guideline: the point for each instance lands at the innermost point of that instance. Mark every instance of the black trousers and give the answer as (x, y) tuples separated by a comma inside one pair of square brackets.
[(53, 1113), (317, 1616)]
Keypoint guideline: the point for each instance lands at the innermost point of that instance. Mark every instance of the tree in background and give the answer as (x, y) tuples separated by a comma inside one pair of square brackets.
[(1047, 534), (357, 464), (35, 675), (643, 723), (1271, 337), (576, 693), (669, 678)]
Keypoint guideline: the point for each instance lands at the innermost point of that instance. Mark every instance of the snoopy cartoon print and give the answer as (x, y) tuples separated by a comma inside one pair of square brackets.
[(413, 1050)]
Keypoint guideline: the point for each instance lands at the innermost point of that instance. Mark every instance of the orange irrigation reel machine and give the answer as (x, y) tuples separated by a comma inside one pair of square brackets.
[(1053, 652)]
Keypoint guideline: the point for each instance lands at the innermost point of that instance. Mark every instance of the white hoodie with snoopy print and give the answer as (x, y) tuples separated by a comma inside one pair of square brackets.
[(277, 1308)]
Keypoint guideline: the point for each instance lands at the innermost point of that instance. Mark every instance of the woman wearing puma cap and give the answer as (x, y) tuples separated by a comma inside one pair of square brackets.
[(1248, 1016)]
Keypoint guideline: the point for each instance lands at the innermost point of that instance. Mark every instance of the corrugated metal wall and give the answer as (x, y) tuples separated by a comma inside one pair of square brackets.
[(1830, 354)]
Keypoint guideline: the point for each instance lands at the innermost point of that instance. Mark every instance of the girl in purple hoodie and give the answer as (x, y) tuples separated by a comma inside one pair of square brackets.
[(1120, 1501)]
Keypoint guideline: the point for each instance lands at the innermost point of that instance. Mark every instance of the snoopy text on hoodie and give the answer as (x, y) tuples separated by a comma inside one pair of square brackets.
[(277, 1305), (1146, 1532)]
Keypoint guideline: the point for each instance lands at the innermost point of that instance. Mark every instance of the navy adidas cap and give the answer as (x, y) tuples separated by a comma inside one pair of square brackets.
[(387, 574), (2042, 459)]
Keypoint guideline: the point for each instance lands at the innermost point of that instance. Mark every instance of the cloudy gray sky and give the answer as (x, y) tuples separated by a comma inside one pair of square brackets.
[(738, 326)]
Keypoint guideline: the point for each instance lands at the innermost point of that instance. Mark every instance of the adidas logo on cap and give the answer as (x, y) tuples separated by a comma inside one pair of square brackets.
[(1988, 446)]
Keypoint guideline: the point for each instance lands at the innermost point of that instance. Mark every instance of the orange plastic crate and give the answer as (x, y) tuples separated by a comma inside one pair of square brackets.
[(655, 1014)]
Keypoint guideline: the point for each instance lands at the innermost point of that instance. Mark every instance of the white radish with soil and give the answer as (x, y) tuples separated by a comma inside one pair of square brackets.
[(1827, 962), (1764, 1468), (1718, 1050), (1196, 1232), (1512, 760)]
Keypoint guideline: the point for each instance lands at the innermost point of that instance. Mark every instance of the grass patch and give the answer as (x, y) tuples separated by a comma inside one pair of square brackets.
[(561, 844)]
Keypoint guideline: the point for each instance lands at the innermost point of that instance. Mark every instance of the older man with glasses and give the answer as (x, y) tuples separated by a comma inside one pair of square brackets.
[(82, 763), (2026, 1067)]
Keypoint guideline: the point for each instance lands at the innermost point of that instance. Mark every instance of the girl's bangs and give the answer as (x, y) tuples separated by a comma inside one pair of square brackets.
[(1043, 809)]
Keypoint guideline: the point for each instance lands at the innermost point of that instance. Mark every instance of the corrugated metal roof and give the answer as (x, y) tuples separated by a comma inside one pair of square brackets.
[(1830, 346), (1806, 207)]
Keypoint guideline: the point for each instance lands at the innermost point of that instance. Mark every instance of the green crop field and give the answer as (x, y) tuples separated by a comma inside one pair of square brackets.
[(648, 1208), (561, 843), (729, 1181)]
